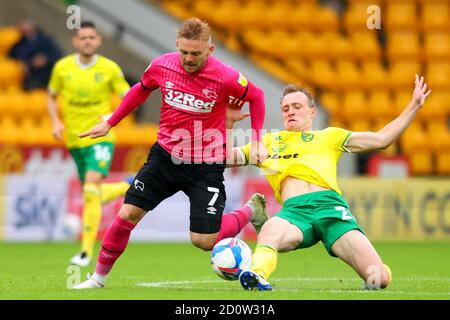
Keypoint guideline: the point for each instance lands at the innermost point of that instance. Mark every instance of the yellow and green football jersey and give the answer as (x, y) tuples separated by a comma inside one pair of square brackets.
[(311, 156), (86, 92)]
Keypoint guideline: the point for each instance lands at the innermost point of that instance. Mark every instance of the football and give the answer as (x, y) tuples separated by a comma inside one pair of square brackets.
[(229, 257)]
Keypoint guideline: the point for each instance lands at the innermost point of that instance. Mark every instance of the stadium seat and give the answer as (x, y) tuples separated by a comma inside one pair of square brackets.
[(302, 16), (401, 74), (374, 75), (348, 75), (11, 73), (325, 19), (443, 162), (437, 75), (437, 45), (300, 69), (323, 74), (414, 139), (365, 45), (355, 17), (400, 15), (381, 105), (10, 36), (342, 47), (438, 133), (401, 100), (9, 133), (421, 163), (359, 125), (37, 103), (435, 16), (355, 106), (276, 69), (331, 102), (403, 45), (436, 107)]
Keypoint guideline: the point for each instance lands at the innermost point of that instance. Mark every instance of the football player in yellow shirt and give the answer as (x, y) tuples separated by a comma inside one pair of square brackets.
[(301, 169), (86, 83)]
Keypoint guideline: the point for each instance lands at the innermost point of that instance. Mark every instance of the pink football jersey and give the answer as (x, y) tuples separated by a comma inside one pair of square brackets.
[(192, 123)]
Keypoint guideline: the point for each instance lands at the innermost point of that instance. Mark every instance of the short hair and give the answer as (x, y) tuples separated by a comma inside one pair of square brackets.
[(194, 29), (87, 24), (291, 88)]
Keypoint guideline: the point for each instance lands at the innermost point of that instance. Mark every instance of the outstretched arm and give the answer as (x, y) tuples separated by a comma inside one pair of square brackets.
[(133, 99), (367, 141)]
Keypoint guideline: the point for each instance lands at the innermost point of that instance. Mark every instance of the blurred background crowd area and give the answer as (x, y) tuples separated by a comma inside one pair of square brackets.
[(361, 76)]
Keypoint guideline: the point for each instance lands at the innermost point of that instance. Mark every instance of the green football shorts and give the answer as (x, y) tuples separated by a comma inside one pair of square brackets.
[(321, 215), (97, 157)]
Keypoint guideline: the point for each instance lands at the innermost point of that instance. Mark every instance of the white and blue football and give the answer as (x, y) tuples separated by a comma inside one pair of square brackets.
[(229, 257)]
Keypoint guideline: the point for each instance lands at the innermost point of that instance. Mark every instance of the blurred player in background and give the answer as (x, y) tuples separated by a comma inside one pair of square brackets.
[(301, 169), (86, 82), (190, 153)]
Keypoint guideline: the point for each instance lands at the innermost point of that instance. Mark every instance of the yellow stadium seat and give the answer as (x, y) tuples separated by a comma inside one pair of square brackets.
[(403, 45), (435, 16), (276, 69), (18, 104), (302, 16), (365, 45), (10, 36), (421, 163), (375, 75), (401, 100), (348, 75), (37, 102), (300, 69), (436, 107), (359, 125), (323, 74), (401, 74), (400, 15), (312, 47), (355, 106), (443, 162), (9, 133), (356, 16), (438, 133), (274, 14), (342, 47), (414, 139), (326, 19), (381, 105), (437, 45), (331, 102), (249, 16), (11, 73), (437, 75), (224, 14)]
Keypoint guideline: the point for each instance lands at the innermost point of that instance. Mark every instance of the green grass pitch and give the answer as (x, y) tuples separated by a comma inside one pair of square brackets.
[(179, 271)]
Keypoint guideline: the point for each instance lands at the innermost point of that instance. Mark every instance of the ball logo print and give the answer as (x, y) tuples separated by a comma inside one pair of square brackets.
[(229, 257)]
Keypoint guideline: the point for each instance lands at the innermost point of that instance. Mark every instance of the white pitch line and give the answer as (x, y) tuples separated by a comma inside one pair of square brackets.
[(192, 284)]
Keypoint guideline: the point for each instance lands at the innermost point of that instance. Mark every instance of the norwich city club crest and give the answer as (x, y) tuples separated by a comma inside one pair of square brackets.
[(307, 137)]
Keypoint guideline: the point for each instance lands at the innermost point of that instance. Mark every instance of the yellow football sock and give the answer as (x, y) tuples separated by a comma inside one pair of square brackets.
[(92, 214), (111, 191), (264, 260)]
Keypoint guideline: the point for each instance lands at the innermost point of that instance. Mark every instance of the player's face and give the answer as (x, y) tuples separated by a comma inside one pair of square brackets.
[(87, 41), (297, 114), (193, 53)]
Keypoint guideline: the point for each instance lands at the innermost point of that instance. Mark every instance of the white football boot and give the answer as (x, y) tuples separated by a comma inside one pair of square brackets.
[(81, 259), (259, 216), (89, 284)]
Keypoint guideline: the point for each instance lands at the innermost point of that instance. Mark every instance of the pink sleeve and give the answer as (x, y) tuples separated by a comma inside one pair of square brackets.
[(242, 89), (133, 99)]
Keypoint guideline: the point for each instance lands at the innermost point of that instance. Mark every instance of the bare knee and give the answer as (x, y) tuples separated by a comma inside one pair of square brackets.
[(131, 213), (203, 241)]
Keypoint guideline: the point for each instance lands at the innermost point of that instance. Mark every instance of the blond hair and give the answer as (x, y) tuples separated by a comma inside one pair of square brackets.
[(291, 88), (194, 29)]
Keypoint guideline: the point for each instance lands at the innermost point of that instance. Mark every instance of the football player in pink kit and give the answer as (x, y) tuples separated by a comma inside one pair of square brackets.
[(190, 153)]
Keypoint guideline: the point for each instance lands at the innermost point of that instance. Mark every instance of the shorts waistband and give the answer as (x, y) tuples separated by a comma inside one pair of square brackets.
[(311, 195)]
